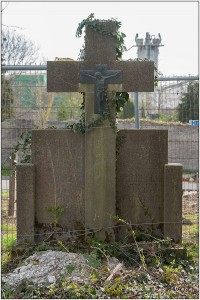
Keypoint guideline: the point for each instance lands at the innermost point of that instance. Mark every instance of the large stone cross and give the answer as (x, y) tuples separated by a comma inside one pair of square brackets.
[(100, 57), (98, 74)]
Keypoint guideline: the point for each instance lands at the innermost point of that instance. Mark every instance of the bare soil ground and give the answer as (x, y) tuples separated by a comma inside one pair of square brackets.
[(190, 202)]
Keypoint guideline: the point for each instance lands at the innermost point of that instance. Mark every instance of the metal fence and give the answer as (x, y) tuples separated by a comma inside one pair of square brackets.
[(27, 105)]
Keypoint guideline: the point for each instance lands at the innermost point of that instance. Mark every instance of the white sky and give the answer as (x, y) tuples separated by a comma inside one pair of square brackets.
[(52, 25)]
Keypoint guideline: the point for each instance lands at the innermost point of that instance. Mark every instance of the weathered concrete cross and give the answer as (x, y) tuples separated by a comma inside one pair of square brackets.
[(98, 72), (100, 59)]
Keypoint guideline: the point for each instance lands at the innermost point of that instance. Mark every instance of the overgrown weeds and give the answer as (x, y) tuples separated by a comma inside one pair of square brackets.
[(166, 270)]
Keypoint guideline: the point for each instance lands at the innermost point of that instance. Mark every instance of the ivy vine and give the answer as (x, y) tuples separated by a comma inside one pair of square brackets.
[(24, 146), (96, 25), (120, 97), (82, 127)]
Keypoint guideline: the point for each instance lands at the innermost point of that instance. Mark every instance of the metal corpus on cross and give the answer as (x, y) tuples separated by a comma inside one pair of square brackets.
[(100, 69), (100, 77)]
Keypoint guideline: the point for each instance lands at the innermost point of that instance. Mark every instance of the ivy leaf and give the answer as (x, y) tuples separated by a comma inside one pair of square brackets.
[(123, 35), (92, 260), (70, 269)]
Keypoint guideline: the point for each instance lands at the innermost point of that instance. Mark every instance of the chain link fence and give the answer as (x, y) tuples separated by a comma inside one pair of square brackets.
[(174, 105)]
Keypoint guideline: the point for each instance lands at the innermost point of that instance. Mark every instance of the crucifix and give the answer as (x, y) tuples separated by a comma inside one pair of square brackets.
[(99, 75)]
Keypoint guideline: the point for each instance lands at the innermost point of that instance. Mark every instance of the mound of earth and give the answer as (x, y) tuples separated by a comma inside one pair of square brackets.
[(45, 267)]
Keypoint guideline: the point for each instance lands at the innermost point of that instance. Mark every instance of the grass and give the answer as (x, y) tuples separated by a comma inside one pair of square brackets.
[(7, 225), (191, 230), (5, 172), (192, 217), (8, 230), (163, 119), (190, 171), (5, 193), (193, 250), (167, 118), (8, 241)]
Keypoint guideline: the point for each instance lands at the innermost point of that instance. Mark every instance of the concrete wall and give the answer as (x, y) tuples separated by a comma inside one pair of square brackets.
[(183, 141)]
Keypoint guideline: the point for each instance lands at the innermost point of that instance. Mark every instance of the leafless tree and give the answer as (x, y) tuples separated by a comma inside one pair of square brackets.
[(4, 6), (16, 49)]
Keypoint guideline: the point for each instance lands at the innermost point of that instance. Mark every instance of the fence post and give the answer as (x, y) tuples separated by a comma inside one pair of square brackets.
[(136, 109), (12, 188)]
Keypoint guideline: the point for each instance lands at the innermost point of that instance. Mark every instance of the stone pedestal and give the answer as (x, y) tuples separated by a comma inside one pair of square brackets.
[(25, 202), (173, 201)]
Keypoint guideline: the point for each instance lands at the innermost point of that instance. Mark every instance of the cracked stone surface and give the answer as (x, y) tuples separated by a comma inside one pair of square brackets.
[(46, 267)]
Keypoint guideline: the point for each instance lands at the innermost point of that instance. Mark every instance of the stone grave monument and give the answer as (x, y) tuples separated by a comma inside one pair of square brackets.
[(76, 184)]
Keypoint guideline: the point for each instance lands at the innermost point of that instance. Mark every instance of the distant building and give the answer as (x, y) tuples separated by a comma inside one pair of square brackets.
[(148, 48)]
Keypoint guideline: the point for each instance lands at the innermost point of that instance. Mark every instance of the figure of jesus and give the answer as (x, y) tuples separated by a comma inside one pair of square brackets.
[(100, 82)]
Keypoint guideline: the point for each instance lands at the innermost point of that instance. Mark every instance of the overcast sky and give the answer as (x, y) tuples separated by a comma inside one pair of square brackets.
[(52, 26)]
